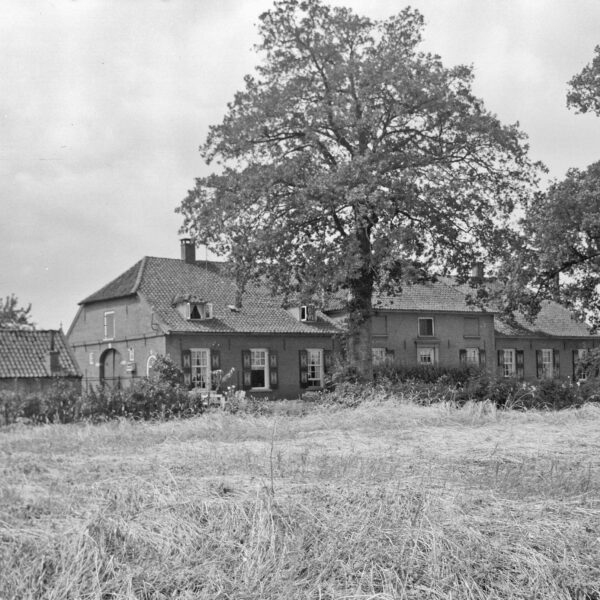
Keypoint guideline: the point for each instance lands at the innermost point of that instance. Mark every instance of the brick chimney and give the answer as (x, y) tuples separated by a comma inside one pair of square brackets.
[(188, 251), (52, 362)]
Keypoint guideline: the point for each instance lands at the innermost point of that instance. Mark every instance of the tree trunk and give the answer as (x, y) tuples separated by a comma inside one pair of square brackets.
[(360, 308)]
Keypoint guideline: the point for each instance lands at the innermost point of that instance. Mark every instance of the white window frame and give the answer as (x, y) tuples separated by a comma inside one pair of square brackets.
[(150, 363), (257, 366), (581, 353), (547, 363), (426, 351), (106, 332), (509, 362), (314, 365), (205, 310), (379, 355), (198, 366), (472, 356), (432, 334)]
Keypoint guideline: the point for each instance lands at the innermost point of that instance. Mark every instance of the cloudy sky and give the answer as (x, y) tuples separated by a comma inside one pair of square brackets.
[(103, 104)]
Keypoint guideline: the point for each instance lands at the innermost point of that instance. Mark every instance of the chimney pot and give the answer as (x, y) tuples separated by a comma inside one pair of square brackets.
[(188, 251)]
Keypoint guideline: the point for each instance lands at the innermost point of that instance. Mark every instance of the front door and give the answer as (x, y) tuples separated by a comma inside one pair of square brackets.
[(110, 368)]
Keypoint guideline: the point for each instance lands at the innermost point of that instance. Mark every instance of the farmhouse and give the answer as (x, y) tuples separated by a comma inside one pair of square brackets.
[(192, 311), (31, 361)]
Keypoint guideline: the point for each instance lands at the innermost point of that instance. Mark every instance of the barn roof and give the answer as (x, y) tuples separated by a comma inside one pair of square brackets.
[(24, 354)]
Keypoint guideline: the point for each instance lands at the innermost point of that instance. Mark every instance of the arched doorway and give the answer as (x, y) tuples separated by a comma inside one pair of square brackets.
[(110, 368)]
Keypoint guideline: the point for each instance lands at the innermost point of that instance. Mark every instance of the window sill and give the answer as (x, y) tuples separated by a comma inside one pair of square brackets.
[(472, 337)]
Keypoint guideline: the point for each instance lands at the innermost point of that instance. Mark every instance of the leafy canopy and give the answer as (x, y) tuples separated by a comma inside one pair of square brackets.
[(584, 90), (560, 257), (353, 160), (13, 316)]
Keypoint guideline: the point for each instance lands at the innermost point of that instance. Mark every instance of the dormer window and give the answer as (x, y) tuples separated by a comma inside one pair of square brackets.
[(197, 311), (308, 313)]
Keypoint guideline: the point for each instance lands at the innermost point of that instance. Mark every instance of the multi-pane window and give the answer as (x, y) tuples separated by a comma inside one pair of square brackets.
[(425, 326), (259, 369), (379, 355), (200, 364), (426, 356), (109, 325), (509, 364), (472, 356), (579, 370), (315, 367), (547, 363)]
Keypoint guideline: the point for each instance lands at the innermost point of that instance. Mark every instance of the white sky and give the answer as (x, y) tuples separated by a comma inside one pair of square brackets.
[(103, 105)]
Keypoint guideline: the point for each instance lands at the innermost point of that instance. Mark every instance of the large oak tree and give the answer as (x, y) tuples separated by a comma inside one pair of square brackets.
[(352, 161)]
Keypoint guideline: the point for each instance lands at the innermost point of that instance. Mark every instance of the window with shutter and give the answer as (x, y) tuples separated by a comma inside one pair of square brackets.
[(200, 368), (255, 369), (520, 363), (579, 372), (246, 369), (273, 371), (315, 367), (186, 367), (508, 362), (544, 360), (303, 367), (482, 358)]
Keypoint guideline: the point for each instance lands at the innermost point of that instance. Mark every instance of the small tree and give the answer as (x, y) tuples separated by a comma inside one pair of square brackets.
[(13, 316), (353, 162)]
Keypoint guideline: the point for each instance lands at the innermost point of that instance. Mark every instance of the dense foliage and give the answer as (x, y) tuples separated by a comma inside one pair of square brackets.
[(354, 161), (584, 90)]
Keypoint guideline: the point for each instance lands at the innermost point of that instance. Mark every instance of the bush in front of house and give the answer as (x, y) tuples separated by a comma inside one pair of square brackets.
[(397, 373)]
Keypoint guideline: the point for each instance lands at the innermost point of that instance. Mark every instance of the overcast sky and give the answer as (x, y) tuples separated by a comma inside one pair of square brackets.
[(103, 105)]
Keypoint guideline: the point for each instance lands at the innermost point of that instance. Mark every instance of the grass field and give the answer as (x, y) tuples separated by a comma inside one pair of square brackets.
[(388, 500)]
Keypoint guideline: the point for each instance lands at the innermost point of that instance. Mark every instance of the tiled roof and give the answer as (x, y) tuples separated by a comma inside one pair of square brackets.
[(23, 354), (160, 281), (438, 296), (125, 284), (552, 320)]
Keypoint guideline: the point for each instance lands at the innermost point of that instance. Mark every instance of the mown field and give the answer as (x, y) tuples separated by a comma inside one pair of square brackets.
[(387, 500)]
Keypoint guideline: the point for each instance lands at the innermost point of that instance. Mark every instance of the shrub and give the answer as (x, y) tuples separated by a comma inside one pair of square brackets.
[(395, 372), (166, 371)]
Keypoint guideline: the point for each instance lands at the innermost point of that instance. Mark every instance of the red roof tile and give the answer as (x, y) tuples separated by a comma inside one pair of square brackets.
[(552, 320), (438, 296), (162, 280), (23, 354)]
